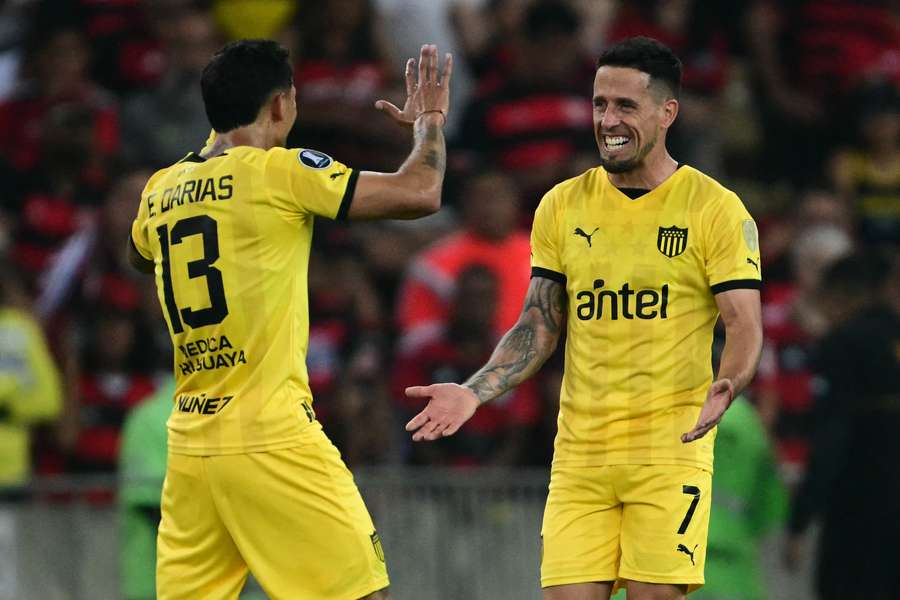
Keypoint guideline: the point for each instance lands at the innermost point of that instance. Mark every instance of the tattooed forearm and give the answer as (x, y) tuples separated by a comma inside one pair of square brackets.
[(527, 345), (430, 148)]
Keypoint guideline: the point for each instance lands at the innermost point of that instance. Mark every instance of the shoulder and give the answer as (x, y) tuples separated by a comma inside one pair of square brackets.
[(570, 190), (704, 188)]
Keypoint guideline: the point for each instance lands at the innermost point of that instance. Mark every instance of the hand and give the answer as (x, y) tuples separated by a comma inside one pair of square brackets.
[(450, 406), (425, 94), (718, 399)]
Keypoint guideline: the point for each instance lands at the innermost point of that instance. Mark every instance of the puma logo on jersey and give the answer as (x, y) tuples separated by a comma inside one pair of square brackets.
[(684, 549), (587, 236), (754, 264), (334, 176)]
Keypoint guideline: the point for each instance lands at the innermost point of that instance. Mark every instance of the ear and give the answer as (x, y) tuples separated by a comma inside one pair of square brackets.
[(278, 107), (670, 111)]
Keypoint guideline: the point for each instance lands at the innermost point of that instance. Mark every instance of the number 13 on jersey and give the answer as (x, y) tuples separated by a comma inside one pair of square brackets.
[(217, 309)]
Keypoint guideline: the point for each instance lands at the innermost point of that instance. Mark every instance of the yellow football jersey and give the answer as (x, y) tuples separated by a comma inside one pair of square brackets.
[(230, 237), (640, 277)]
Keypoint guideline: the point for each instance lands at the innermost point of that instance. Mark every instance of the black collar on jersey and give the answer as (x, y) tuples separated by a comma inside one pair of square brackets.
[(193, 157), (635, 193)]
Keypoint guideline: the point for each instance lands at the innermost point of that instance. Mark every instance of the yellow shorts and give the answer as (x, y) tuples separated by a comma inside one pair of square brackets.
[(645, 523), (294, 517)]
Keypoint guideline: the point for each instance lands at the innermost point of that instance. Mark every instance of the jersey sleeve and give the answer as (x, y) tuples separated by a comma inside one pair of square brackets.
[(732, 247), (310, 182), (139, 229), (545, 249)]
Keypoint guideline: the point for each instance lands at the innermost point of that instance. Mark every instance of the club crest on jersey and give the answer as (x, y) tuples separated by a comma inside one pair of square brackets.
[(314, 159), (672, 241)]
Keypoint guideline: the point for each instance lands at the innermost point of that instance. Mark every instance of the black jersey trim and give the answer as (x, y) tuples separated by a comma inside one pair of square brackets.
[(192, 157), (344, 209), (548, 274), (736, 284)]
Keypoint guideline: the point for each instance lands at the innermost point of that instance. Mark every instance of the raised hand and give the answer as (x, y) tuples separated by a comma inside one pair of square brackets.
[(718, 399), (425, 93), (449, 406)]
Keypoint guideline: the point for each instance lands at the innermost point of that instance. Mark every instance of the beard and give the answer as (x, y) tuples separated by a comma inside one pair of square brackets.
[(625, 165)]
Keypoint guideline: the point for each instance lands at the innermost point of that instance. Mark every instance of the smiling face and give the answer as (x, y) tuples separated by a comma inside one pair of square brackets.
[(631, 113)]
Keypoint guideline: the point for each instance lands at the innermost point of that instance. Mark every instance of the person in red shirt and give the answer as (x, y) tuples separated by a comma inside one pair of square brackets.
[(498, 433), (489, 237)]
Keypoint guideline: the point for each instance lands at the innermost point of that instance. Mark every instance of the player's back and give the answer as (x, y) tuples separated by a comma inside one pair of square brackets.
[(230, 237)]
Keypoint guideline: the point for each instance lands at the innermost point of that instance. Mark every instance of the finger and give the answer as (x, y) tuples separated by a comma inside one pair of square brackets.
[(448, 70), (410, 76), (434, 65), (424, 431), (423, 64), (418, 391), (390, 109), (417, 421), (698, 431), (437, 432), (451, 429)]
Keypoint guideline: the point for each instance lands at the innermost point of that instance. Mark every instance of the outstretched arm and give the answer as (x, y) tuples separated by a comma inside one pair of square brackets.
[(517, 357), (414, 190)]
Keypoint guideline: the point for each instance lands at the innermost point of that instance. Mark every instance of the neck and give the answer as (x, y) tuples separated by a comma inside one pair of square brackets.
[(656, 168), (256, 135)]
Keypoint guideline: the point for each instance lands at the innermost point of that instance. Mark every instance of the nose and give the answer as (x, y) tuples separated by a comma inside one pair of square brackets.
[(608, 119)]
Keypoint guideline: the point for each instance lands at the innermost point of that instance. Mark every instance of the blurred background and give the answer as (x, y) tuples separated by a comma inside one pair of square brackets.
[(793, 104)]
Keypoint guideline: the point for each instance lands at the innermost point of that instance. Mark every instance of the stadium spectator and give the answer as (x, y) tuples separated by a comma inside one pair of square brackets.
[(344, 64), (54, 199), (30, 393), (488, 36), (112, 381), (498, 435), (853, 475), (30, 390), (792, 323), (54, 72), (808, 56), (536, 120), (488, 236), (868, 177), (162, 123), (345, 358), (239, 19)]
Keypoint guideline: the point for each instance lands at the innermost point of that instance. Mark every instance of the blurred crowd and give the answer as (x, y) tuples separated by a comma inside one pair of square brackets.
[(793, 104)]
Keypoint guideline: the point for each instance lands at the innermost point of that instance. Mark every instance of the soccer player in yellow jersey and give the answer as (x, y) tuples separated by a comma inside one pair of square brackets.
[(638, 257), (252, 482)]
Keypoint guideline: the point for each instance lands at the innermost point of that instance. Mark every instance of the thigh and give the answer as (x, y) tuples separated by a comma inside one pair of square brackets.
[(579, 591), (300, 522), (195, 555), (665, 519), (580, 533)]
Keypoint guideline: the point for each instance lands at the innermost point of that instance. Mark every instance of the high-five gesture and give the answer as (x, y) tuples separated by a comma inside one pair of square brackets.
[(425, 92)]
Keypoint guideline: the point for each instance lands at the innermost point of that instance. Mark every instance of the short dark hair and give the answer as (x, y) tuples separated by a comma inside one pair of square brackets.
[(240, 78), (648, 56)]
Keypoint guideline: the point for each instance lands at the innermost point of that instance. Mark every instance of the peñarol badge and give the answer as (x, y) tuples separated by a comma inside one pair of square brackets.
[(314, 159), (671, 241), (751, 235), (376, 544)]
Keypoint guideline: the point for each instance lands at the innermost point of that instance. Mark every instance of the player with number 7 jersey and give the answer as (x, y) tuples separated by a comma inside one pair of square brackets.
[(252, 481)]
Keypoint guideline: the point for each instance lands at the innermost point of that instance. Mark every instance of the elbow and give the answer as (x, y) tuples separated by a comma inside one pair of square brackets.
[(426, 203)]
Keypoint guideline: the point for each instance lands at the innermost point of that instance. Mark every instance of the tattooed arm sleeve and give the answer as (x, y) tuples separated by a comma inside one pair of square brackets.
[(527, 345)]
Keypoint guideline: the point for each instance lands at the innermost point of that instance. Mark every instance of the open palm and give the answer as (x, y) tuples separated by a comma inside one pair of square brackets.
[(424, 93), (718, 399), (449, 406)]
